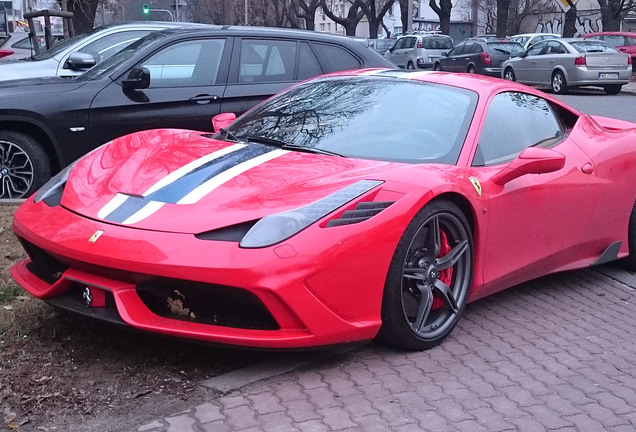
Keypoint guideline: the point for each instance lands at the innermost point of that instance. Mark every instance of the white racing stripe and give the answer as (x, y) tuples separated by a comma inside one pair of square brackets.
[(145, 211), (112, 205), (227, 175), (176, 175)]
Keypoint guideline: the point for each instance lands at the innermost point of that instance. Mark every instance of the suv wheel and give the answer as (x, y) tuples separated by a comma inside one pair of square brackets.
[(410, 66)]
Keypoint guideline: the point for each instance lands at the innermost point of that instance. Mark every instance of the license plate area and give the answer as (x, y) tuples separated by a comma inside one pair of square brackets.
[(606, 75)]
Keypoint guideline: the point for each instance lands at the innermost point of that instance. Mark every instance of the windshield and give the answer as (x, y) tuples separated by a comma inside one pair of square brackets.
[(110, 64), (381, 118), (58, 47), (508, 48)]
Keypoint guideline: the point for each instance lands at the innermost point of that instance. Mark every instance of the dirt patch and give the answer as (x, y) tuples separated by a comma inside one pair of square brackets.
[(59, 371)]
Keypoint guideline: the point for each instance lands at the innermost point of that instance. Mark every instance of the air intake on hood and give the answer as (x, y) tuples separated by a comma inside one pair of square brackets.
[(362, 212)]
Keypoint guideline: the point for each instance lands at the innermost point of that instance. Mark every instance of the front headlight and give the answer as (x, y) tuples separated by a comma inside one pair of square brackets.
[(277, 227)]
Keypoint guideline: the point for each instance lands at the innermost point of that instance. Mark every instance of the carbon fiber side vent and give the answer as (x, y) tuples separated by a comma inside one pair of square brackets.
[(363, 211)]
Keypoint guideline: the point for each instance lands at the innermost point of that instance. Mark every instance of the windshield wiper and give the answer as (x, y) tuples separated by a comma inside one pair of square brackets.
[(291, 146), (228, 135)]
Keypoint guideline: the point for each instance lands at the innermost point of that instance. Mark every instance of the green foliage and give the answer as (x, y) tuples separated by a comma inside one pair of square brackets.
[(8, 291)]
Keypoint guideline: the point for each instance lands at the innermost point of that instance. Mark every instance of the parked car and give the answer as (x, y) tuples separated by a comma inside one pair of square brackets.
[(567, 63), (485, 37), (367, 204), (74, 56), (381, 45), (175, 78), (529, 39), (418, 51), (622, 41), (18, 46), (478, 56)]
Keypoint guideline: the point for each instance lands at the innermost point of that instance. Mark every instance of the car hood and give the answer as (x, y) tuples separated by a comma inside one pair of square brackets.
[(39, 85), (187, 182)]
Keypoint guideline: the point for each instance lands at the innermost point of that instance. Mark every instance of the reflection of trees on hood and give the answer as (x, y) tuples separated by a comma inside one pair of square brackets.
[(308, 113)]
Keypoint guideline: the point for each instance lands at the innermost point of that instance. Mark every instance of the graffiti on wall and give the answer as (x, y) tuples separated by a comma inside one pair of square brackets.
[(583, 25)]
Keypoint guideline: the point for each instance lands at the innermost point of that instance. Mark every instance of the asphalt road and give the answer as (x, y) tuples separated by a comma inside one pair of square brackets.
[(596, 102)]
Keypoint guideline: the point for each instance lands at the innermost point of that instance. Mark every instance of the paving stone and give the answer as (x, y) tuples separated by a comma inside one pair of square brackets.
[(181, 423), (207, 412)]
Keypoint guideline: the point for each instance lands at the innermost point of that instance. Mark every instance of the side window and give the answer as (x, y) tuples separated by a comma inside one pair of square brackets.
[(186, 64), (308, 65), (459, 49), (399, 44), (630, 40), (334, 58), (555, 47), (476, 48), (266, 61), (106, 46), (536, 49), (614, 40), (410, 42), (514, 122)]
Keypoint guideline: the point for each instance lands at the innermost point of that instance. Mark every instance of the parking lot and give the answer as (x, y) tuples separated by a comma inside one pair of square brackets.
[(555, 354)]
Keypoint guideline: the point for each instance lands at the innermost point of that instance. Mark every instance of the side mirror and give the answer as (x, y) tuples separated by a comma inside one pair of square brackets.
[(80, 61), (444, 54), (533, 160), (223, 120), (138, 78), (522, 54)]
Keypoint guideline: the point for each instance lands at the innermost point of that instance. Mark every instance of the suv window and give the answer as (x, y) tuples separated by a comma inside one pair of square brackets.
[(266, 60), (334, 58), (437, 42), (410, 42), (536, 48), (308, 65), (514, 122), (186, 64)]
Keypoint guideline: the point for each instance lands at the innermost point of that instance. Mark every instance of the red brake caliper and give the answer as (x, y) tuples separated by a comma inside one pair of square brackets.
[(446, 275)]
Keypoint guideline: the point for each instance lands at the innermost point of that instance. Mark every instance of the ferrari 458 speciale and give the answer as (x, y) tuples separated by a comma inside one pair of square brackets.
[(371, 203)]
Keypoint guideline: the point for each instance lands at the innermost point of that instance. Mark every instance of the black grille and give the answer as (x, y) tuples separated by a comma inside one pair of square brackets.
[(206, 304), (43, 265), (362, 211)]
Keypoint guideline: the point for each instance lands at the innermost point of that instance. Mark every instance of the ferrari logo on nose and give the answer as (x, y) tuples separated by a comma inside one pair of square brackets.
[(95, 236), (476, 184)]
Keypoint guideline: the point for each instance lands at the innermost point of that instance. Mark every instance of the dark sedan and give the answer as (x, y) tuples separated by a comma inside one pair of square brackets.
[(478, 56), (177, 78)]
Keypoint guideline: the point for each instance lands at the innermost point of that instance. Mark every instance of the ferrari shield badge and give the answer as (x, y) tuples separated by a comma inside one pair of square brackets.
[(476, 184), (95, 236)]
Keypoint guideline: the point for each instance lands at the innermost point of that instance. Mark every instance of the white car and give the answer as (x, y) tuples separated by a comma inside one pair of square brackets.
[(72, 57), (529, 39), (18, 46)]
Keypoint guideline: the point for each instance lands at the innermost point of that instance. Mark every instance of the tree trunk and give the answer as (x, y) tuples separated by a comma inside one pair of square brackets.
[(443, 11), (503, 6), (569, 26), (83, 14)]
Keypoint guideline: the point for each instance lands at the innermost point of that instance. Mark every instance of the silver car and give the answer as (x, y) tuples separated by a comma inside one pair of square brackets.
[(418, 51), (74, 56), (562, 64)]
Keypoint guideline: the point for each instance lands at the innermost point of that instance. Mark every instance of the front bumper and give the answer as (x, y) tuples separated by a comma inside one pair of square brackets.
[(315, 290)]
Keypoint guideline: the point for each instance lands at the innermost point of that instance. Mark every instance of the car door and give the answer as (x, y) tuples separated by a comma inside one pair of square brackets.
[(187, 81), (395, 54), (525, 67), (552, 55), (451, 62), (536, 222)]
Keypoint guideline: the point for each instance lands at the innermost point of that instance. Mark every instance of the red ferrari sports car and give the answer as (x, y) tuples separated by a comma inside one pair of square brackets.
[(373, 203)]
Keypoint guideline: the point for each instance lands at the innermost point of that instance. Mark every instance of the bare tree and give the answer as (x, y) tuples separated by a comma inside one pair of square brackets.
[(521, 9), (83, 13), (350, 22), (375, 11), (443, 11), (613, 12), (306, 10)]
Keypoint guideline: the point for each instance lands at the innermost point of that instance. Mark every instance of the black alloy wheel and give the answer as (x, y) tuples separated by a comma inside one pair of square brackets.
[(24, 166), (429, 278)]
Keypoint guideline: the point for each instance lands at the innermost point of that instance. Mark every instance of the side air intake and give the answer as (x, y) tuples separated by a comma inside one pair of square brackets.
[(362, 212)]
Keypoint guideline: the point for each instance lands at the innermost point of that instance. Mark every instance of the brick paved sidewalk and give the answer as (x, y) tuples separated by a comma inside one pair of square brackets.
[(556, 354)]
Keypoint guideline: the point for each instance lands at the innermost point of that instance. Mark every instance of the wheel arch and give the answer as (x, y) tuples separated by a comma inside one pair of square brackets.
[(40, 133), (464, 205)]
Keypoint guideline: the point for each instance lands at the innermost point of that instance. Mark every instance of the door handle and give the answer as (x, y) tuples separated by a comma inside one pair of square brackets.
[(587, 168), (203, 98)]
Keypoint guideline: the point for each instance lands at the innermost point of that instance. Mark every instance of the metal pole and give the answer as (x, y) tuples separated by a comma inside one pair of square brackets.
[(176, 10), (409, 18), (245, 12)]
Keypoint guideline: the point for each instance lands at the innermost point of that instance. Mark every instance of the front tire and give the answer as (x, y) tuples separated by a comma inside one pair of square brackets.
[(24, 165), (509, 74), (558, 83), (410, 66), (429, 278)]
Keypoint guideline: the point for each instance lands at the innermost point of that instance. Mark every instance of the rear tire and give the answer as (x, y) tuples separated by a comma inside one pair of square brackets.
[(437, 67), (24, 165), (471, 69), (410, 66), (558, 83), (612, 89), (630, 261)]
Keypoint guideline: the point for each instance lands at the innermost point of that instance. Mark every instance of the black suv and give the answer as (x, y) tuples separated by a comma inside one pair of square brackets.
[(177, 78), (477, 55)]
